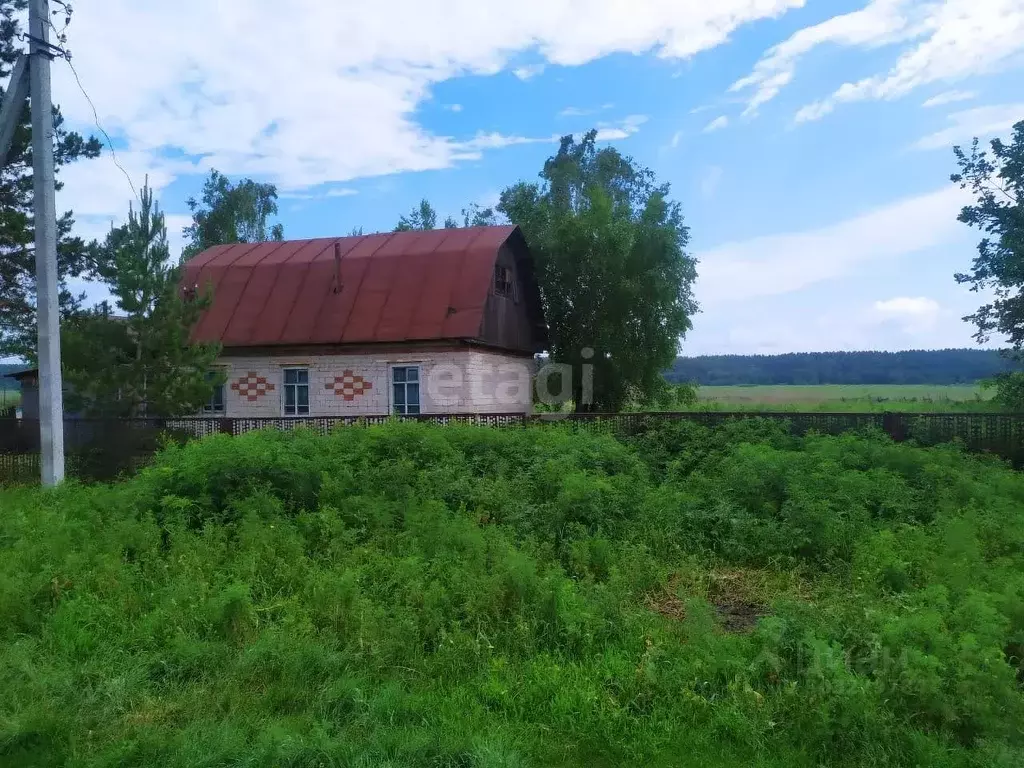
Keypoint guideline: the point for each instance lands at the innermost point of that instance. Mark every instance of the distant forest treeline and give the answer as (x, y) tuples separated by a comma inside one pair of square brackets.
[(943, 366)]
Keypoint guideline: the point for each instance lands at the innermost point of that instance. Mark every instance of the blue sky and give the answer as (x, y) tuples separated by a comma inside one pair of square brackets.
[(808, 140)]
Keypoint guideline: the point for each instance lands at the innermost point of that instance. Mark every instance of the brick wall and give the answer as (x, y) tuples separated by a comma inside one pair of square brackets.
[(459, 381)]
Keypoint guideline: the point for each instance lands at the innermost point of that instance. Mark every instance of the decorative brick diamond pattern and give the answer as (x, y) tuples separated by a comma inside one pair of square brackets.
[(252, 387), (348, 386)]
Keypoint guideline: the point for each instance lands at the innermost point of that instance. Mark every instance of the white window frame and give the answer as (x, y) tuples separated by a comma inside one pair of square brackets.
[(392, 407), (208, 408), (284, 392)]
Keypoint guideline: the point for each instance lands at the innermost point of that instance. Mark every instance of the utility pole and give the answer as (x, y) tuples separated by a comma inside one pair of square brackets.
[(51, 393)]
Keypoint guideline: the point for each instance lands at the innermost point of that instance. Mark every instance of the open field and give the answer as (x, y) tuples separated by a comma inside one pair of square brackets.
[(849, 397), (461, 596)]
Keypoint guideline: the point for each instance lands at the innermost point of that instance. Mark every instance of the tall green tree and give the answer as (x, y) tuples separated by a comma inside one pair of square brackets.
[(423, 216), (477, 216), (615, 278), (997, 182), (17, 233), (140, 360), (231, 213)]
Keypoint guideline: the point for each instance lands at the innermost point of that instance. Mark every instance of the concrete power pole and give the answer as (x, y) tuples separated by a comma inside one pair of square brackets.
[(51, 395)]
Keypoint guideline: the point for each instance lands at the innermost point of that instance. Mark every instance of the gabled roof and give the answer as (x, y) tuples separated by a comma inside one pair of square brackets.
[(402, 286)]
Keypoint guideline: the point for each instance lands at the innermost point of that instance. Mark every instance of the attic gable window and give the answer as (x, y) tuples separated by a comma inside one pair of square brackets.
[(503, 283)]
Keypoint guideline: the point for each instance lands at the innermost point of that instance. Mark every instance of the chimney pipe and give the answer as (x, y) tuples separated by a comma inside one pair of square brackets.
[(337, 267)]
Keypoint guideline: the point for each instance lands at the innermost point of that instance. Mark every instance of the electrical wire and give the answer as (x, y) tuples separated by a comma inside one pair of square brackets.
[(61, 37), (66, 55), (96, 119)]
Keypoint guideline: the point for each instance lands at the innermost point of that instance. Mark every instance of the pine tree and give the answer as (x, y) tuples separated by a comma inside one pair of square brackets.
[(139, 362), (17, 251)]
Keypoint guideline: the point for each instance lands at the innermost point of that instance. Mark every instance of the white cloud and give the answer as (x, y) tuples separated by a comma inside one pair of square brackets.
[(711, 181), (342, 105), (90, 187), (612, 134), (983, 122), (583, 112), (717, 124), (814, 111), (779, 264), (881, 22), (99, 193), (481, 141), (621, 130), (175, 239), (912, 315), (906, 307), (334, 192), (949, 97), (955, 39), (453, 107), (676, 138), (528, 71)]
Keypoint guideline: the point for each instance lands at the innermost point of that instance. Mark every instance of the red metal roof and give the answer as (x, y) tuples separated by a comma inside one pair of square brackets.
[(403, 286)]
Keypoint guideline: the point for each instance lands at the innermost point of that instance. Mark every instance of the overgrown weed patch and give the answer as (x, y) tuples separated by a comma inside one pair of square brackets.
[(416, 595)]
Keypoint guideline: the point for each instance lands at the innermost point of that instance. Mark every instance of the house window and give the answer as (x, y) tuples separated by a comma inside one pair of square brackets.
[(405, 389), (503, 285), (215, 406), (296, 391)]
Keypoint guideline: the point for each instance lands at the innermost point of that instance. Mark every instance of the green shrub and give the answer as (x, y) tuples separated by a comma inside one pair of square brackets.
[(419, 595)]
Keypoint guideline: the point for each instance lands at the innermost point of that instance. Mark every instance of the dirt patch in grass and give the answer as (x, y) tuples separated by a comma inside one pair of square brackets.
[(737, 599), (738, 596), (667, 602), (739, 617)]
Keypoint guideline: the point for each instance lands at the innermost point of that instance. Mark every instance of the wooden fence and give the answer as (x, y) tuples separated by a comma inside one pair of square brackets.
[(104, 450)]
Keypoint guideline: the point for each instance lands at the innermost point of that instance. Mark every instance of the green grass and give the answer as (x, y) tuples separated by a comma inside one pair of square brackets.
[(847, 397), (414, 595), (9, 397)]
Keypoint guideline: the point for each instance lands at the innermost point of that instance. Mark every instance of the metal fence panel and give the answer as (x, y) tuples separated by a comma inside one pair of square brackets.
[(106, 449)]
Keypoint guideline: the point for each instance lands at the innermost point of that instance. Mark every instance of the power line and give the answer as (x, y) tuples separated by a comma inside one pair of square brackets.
[(68, 10), (96, 118), (66, 55)]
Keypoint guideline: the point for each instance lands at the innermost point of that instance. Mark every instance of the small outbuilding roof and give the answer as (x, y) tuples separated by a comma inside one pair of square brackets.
[(26, 374)]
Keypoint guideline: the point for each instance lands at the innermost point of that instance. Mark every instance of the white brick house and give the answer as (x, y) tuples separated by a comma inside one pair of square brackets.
[(444, 321)]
